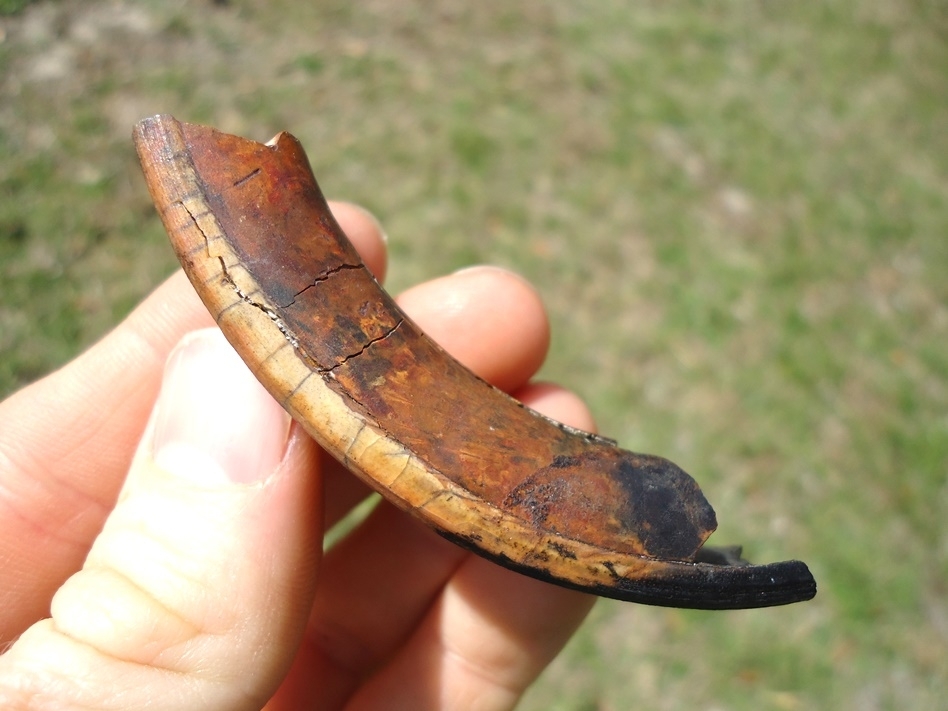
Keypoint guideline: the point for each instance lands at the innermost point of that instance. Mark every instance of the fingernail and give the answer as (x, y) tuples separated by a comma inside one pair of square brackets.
[(214, 422), (492, 270), (378, 224), (477, 269)]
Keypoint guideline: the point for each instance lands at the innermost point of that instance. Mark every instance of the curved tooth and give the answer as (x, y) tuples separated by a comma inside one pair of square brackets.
[(256, 237)]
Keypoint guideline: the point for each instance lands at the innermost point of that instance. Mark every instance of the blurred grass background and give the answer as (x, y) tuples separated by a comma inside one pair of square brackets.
[(736, 213)]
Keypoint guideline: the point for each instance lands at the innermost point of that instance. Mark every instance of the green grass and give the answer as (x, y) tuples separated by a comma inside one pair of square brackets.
[(12, 7), (736, 213)]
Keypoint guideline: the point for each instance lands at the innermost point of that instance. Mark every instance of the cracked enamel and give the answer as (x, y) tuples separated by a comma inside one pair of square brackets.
[(259, 244)]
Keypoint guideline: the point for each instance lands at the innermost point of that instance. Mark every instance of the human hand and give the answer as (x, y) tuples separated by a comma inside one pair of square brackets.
[(160, 539)]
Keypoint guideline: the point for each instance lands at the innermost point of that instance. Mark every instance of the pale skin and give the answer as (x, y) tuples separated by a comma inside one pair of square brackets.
[(161, 522)]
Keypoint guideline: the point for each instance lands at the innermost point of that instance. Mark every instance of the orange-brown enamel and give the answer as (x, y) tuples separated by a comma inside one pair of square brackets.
[(258, 241), (355, 337)]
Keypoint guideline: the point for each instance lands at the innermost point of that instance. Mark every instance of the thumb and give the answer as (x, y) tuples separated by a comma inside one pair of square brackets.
[(205, 568)]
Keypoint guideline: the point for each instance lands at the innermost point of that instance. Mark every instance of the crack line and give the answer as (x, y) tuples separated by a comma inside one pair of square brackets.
[(363, 349), (252, 174), (225, 275), (321, 278)]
